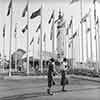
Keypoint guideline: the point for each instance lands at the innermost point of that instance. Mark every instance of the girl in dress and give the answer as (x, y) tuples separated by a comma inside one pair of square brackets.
[(64, 67)]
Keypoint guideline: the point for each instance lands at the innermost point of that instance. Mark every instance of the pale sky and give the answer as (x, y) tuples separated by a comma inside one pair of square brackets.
[(48, 6)]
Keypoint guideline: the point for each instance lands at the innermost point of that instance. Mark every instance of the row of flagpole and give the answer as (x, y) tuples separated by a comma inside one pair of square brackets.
[(10, 9), (96, 37)]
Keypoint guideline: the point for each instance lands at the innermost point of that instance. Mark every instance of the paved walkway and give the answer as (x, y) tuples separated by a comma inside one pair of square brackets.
[(35, 89), (86, 78), (45, 77)]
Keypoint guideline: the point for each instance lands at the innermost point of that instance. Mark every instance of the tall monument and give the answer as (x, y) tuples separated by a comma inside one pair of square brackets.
[(61, 31)]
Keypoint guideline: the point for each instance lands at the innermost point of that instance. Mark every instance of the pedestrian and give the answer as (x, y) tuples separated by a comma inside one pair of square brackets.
[(64, 79), (51, 71)]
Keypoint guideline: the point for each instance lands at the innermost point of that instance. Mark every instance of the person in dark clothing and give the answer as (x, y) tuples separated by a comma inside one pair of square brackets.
[(64, 67), (51, 71)]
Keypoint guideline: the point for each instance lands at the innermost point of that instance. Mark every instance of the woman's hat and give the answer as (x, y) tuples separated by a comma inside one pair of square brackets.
[(52, 59), (64, 59)]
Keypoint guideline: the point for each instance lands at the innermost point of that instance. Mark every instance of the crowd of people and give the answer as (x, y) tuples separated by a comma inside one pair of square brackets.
[(64, 67)]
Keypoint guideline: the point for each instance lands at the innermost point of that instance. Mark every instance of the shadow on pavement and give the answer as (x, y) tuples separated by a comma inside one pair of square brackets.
[(39, 94), (25, 96), (77, 90)]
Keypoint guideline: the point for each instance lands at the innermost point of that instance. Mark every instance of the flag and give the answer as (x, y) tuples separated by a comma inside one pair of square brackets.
[(94, 1), (56, 20), (73, 36), (88, 30), (52, 15), (85, 17), (95, 14), (15, 31), (51, 31), (73, 1), (83, 20), (95, 37), (61, 25), (58, 34), (69, 45), (32, 41), (51, 34), (97, 21), (70, 24), (44, 38), (35, 14), (9, 8), (25, 28), (25, 10), (38, 27), (38, 40), (4, 30), (67, 31)]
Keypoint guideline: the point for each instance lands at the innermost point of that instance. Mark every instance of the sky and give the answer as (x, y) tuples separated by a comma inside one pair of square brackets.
[(48, 5)]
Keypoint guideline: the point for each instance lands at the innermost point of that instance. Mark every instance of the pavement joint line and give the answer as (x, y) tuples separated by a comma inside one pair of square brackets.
[(86, 78), (45, 77), (25, 77)]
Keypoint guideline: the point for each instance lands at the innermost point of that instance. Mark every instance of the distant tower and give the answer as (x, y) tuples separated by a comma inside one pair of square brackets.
[(61, 30)]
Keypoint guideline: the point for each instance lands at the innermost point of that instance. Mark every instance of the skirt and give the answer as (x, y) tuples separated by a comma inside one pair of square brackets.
[(51, 81), (64, 79)]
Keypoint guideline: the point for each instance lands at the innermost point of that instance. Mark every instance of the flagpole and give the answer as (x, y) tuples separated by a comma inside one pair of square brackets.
[(72, 41), (79, 42), (91, 39), (41, 65), (68, 43), (10, 46), (16, 48), (98, 44), (65, 46), (81, 13), (33, 54), (45, 50), (53, 35), (86, 40), (38, 42), (28, 38), (95, 34), (3, 52)]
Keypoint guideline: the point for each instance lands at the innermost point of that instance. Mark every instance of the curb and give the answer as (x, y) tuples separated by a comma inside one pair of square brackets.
[(25, 77), (86, 78)]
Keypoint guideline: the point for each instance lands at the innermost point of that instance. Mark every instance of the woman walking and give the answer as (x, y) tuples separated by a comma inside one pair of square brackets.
[(64, 67), (51, 71)]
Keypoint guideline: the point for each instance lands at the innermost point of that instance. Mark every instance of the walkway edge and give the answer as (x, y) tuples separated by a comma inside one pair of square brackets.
[(45, 77), (26, 77), (86, 78)]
